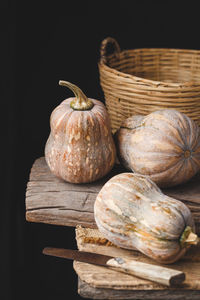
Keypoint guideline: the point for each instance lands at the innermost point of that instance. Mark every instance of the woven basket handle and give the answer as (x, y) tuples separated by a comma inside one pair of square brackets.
[(103, 48)]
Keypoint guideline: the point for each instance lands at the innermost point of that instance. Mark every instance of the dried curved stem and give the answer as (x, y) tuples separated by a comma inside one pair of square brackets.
[(81, 102)]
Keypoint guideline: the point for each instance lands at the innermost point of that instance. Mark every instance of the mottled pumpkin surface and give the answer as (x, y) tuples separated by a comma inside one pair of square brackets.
[(164, 145), (132, 212), (80, 147)]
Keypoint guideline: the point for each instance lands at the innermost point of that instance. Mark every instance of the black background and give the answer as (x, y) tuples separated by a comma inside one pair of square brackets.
[(48, 41)]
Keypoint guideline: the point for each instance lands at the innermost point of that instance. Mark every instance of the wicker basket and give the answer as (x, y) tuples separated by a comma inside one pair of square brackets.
[(140, 81)]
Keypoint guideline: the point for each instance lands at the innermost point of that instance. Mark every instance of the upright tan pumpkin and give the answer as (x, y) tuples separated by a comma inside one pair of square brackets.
[(164, 145), (80, 147)]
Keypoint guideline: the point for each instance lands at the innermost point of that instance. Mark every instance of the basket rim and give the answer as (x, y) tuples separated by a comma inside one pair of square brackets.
[(163, 48), (149, 82)]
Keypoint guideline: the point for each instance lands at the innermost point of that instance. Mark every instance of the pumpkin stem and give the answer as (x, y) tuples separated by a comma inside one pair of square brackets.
[(81, 102), (188, 237)]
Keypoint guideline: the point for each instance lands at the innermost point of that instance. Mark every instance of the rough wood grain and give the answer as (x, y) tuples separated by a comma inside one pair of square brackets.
[(54, 201), (86, 290), (98, 282)]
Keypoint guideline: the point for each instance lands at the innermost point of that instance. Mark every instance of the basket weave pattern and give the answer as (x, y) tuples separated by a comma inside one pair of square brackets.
[(140, 81)]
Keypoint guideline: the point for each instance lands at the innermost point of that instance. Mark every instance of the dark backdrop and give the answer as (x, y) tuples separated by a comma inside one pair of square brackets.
[(48, 41)]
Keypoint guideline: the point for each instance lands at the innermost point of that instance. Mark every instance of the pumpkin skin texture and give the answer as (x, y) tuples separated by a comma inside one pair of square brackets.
[(164, 145), (80, 147), (133, 213)]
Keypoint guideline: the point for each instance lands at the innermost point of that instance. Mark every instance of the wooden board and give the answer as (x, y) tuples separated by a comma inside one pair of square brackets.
[(53, 201), (86, 290), (97, 282)]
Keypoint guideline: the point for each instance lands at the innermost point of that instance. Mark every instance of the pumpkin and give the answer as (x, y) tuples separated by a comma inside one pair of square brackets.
[(164, 145), (131, 212), (80, 147)]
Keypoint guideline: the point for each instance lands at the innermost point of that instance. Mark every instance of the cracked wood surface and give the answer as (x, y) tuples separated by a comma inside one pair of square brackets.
[(53, 201), (86, 290)]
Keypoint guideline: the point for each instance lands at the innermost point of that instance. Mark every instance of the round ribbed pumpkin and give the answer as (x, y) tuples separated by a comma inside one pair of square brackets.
[(80, 147), (164, 145), (133, 213)]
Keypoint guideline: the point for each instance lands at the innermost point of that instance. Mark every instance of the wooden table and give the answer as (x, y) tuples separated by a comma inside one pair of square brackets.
[(53, 201)]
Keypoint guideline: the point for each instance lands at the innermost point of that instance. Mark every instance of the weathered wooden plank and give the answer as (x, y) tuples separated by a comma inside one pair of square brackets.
[(103, 277), (82, 201), (54, 201), (86, 290), (97, 282), (189, 191), (56, 216)]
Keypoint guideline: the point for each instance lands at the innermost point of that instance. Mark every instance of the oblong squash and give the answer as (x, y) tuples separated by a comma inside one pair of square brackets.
[(133, 213), (164, 145)]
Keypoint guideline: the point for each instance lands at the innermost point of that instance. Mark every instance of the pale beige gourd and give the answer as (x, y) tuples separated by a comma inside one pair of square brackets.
[(132, 212), (164, 145), (80, 147)]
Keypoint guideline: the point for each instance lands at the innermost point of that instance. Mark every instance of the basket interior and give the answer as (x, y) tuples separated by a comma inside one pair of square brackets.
[(166, 65)]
